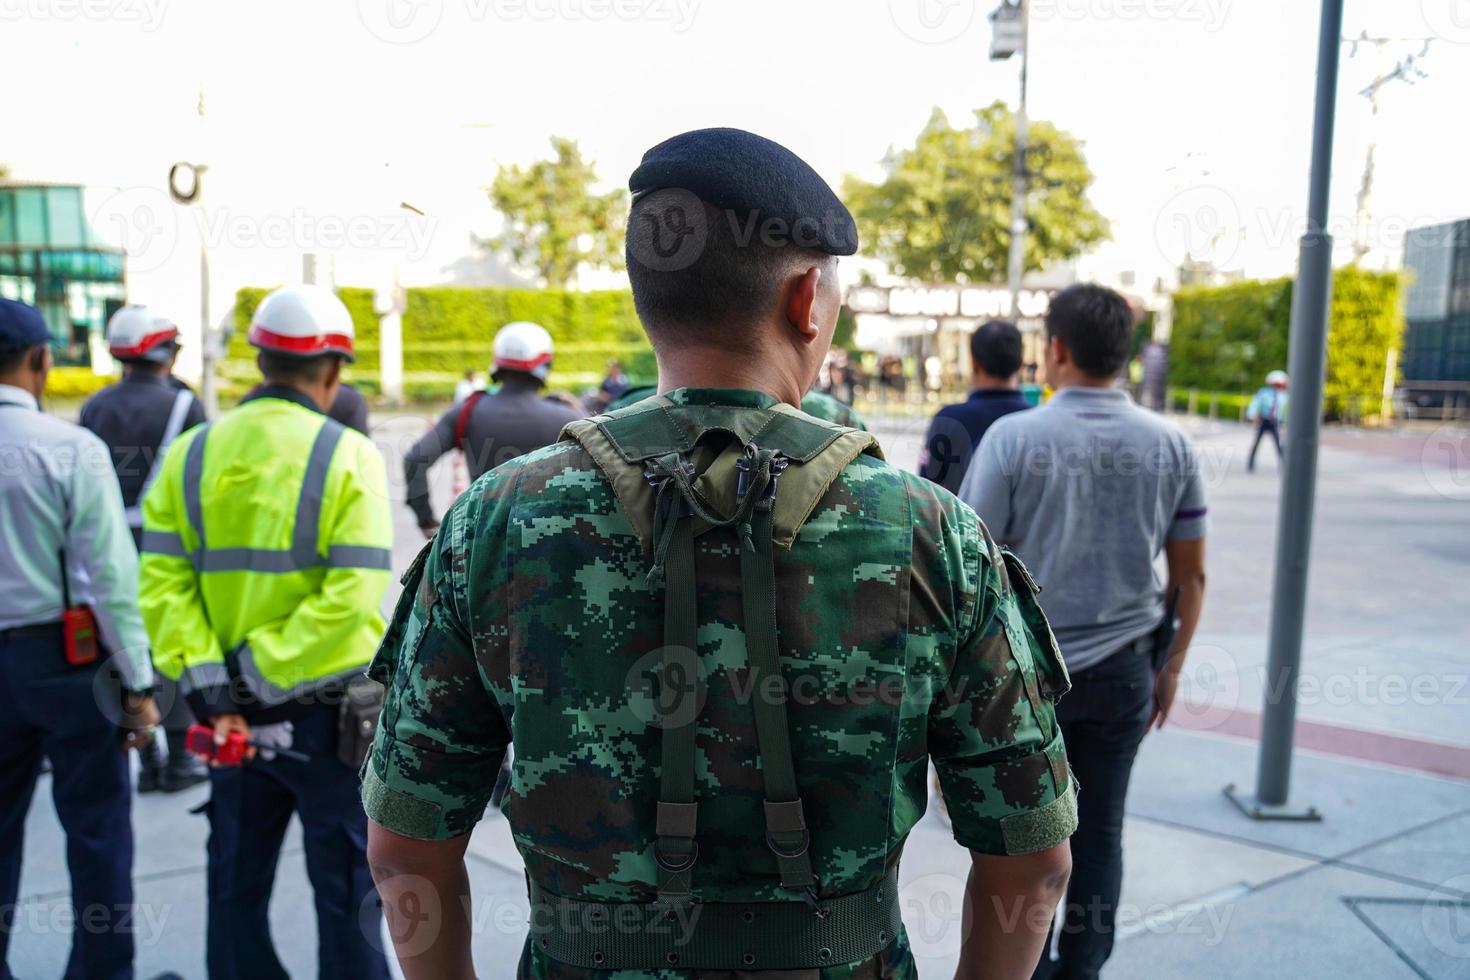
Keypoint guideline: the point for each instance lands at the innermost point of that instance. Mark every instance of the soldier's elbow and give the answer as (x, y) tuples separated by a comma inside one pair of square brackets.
[(1042, 873)]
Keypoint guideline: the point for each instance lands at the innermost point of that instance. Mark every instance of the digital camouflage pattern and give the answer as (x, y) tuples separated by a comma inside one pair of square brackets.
[(816, 404), (530, 619)]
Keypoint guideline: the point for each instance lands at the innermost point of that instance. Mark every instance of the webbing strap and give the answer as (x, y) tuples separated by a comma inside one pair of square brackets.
[(786, 831), (675, 850), (171, 431), (720, 936)]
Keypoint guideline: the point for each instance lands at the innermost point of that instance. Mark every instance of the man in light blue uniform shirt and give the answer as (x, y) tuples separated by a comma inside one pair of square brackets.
[(1089, 489), (1268, 411), (61, 513)]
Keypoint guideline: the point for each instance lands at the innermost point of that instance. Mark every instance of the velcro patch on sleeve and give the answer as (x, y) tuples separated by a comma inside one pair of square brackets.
[(405, 815), (1036, 830)]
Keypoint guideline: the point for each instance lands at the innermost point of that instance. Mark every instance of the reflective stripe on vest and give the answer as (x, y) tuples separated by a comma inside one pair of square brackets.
[(302, 554)]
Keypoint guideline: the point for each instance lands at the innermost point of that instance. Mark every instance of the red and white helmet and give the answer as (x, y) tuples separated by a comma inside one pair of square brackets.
[(1277, 379), (136, 333), (523, 346), (303, 321)]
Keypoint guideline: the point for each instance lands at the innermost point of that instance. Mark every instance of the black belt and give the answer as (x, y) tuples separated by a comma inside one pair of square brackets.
[(716, 935), (31, 632)]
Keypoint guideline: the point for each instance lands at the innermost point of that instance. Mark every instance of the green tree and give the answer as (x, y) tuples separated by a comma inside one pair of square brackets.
[(943, 212), (555, 222)]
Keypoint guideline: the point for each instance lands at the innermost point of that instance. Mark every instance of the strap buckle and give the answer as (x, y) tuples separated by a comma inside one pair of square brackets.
[(795, 852), (675, 867), (750, 464)]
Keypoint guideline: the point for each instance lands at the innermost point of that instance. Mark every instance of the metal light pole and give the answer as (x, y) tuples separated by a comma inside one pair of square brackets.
[(1311, 301), (1016, 267), (209, 342)]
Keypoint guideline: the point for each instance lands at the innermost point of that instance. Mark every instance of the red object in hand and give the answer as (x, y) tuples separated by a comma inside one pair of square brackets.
[(200, 741)]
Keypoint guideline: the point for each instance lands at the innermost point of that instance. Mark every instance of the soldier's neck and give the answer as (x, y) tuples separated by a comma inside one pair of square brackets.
[(708, 368)]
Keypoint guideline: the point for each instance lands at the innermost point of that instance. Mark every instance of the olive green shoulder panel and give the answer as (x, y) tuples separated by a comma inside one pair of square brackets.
[(621, 442)]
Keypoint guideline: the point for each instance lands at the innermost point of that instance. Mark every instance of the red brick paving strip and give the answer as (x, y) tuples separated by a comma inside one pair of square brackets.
[(1349, 743)]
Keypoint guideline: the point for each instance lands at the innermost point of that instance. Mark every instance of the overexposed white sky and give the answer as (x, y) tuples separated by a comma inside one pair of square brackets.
[(321, 117)]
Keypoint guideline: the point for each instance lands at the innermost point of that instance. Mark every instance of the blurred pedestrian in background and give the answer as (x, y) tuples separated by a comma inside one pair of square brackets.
[(995, 364), (615, 384), (139, 418), (467, 386), (490, 428), (1268, 410), (1088, 490), (74, 661)]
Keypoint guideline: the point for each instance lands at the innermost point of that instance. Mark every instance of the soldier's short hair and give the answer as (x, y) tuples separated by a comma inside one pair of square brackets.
[(729, 275)]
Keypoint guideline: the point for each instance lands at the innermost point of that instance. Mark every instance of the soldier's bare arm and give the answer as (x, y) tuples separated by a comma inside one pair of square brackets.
[(1009, 903), (426, 898), (995, 742)]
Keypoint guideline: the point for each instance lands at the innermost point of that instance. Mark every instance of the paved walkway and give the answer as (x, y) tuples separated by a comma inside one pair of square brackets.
[(1379, 890)]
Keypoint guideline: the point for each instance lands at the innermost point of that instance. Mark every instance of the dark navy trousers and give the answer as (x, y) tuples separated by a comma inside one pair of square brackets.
[(1103, 719), (50, 709), (249, 809)]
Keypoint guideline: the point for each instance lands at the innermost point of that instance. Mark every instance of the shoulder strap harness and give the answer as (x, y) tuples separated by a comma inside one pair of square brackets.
[(771, 442)]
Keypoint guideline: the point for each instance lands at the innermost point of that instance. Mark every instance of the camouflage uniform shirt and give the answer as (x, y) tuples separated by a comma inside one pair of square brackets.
[(530, 620)]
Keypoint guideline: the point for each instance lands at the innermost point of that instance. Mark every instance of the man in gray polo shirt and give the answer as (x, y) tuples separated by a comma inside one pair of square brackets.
[(1089, 489)]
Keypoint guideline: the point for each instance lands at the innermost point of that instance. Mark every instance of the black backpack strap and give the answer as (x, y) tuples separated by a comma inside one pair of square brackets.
[(675, 849), (786, 830)]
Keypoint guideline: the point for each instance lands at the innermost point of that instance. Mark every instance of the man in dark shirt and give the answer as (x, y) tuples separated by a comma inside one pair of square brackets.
[(995, 359), (350, 408), (490, 428), (138, 418)]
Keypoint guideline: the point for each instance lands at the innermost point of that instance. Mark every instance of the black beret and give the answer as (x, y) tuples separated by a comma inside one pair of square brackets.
[(753, 176)]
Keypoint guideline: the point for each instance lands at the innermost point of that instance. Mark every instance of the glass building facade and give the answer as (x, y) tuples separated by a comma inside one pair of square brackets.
[(52, 258)]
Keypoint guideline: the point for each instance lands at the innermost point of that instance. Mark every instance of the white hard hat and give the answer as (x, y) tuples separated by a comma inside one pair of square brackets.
[(523, 346), (136, 333), (304, 321), (1276, 378)]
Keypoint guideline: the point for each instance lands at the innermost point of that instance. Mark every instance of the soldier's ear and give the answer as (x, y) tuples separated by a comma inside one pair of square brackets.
[(801, 301)]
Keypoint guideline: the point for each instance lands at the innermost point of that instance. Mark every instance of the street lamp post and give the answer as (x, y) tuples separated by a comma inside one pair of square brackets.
[(1012, 33), (1311, 301)]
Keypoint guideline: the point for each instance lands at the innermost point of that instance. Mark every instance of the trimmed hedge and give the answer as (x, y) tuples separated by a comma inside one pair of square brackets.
[(1226, 338), (448, 330), (75, 382)]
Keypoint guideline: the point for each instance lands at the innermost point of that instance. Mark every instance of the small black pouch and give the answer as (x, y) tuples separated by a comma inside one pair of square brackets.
[(357, 720)]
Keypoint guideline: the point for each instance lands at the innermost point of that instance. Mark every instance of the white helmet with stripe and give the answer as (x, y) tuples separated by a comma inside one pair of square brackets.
[(1277, 379), (523, 346), (136, 333), (302, 321)]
